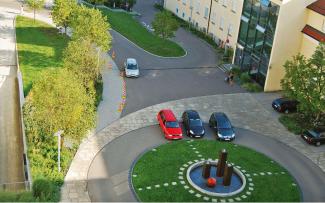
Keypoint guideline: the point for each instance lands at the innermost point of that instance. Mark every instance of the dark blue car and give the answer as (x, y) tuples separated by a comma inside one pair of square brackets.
[(220, 123), (285, 105)]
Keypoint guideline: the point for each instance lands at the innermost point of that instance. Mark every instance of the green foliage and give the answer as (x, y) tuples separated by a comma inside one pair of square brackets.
[(294, 123), (159, 6), (125, 24), (236, 70), (16, 197), (245, 78), (62, 11), (252, 87), (228, 55), (35, 5), (305, 81), (165, 24), (99, 90), (39, 48), (43, 190), (120, 4), (82, 58), (67, 107), (90, 24)]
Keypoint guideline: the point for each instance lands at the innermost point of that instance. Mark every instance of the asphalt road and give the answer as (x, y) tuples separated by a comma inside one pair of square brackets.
[(165, 79), (108, 174)]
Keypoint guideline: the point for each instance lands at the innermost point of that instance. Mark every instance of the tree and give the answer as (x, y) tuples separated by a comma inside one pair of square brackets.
[(165, 24), (305, 81), (61, 12), (83, 59), (58, 101), (97, 2), (90, 24), (35, 5)]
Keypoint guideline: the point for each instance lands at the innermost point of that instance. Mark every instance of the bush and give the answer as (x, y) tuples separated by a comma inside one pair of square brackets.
[(16, 197), (159, 7), (44, 190), (99, 90), (245, 78), (236, 70), (252, 87)]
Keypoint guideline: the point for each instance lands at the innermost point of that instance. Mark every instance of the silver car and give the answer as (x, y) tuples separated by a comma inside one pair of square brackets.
[(131, 68)]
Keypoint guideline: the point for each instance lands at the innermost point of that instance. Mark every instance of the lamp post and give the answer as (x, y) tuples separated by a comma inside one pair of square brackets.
[(58, 134)]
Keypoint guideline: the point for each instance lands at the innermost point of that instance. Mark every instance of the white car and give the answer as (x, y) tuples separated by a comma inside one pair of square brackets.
[(131, 68)]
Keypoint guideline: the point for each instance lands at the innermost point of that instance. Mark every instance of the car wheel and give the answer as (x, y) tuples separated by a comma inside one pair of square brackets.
[(286, 111), (317, 144)]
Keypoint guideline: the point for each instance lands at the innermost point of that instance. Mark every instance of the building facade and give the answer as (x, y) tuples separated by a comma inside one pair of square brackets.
[(264, 33)]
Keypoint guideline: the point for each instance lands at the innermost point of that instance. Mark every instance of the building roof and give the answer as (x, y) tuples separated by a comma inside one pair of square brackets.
[(318, 6), (314, 33)]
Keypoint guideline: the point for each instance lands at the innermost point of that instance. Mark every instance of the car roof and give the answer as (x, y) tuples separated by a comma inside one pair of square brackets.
[(220, 115), (131, 61), (169, 115), (284, 99), (192, 114)]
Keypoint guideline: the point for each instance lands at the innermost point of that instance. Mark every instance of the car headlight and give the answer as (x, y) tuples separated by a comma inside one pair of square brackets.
[(191, 131), (233, 135), (219, 135)]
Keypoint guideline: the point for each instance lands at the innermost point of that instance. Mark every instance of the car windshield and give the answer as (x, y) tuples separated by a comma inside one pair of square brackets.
[(224, 123), (226, 131), (195, 122), (132, 66), (172, 124), (313, 133)]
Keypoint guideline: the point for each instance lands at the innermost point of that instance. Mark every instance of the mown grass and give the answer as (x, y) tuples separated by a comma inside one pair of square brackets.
[(162, 166), (130, 28), (40, 48)]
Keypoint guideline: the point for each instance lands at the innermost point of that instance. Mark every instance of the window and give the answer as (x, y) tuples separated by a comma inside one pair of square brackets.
[(230, 30), (176, 10), (183, 15), (224, 3), (206, 12), (197, 7), (191, 3), (213, 17), (234, 5), (221, 23), (184, 2)]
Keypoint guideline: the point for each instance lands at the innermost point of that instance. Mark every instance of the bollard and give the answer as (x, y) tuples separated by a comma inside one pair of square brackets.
[(206, 169), (227, 175), (222, 162)]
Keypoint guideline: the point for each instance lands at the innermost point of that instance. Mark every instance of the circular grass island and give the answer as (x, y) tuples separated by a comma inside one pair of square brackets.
[(160, 174)]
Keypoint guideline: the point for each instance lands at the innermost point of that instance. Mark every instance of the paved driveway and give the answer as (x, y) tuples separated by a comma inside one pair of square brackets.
[(108, 174), (165, 79)]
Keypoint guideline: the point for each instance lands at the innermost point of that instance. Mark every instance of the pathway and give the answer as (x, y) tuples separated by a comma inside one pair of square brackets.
[(11, 140)]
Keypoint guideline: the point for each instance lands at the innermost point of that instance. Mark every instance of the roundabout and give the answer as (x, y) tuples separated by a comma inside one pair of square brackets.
[(114, 174), (164, 174)]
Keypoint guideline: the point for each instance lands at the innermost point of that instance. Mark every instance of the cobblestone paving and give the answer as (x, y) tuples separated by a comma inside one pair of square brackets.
[(243, 110)]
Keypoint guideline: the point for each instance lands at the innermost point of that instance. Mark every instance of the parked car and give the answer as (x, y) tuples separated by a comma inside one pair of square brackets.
[(131, 68), (316, 137), (220, 123), (285, 105), (193, 124), (169, 125)]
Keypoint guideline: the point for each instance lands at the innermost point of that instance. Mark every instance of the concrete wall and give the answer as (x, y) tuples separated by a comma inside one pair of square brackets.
[(287, 41), (308, 46), (316, 20)]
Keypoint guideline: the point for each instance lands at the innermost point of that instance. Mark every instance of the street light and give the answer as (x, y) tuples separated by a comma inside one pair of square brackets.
[(58, 134)]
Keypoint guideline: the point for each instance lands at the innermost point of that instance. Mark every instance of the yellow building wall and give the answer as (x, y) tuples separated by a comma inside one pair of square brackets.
[(287, 40), (230, 15), (316, 20), (308, 46)]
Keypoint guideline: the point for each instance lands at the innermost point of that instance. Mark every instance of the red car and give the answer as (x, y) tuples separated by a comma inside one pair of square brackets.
[(169, 125)]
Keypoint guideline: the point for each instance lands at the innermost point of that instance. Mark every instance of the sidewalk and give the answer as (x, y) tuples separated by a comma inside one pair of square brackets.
[(11, 140)]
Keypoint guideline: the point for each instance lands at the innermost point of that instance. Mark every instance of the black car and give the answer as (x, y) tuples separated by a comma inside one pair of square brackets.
[(193, 124), (285, 105), (222, 126), (316, 137)]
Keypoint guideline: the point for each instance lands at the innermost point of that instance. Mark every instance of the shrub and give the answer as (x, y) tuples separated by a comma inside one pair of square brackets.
[(99, 90), (236, 70), (252, 87), (245, 78), (16, 197), (43, 190)]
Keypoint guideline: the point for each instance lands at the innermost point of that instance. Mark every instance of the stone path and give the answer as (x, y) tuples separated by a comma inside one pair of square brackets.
[(243, 110)]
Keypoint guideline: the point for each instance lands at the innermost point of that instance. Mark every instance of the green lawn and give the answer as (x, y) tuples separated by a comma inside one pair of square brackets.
[(130, 28), (40, 48), (163, 166)]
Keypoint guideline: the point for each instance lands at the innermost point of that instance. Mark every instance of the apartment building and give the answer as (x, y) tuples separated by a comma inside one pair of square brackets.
[(264, 33)]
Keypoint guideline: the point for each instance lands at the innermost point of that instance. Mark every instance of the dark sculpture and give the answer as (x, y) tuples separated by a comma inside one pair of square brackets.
[(227, 174), (222, 162), (206, 170)]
